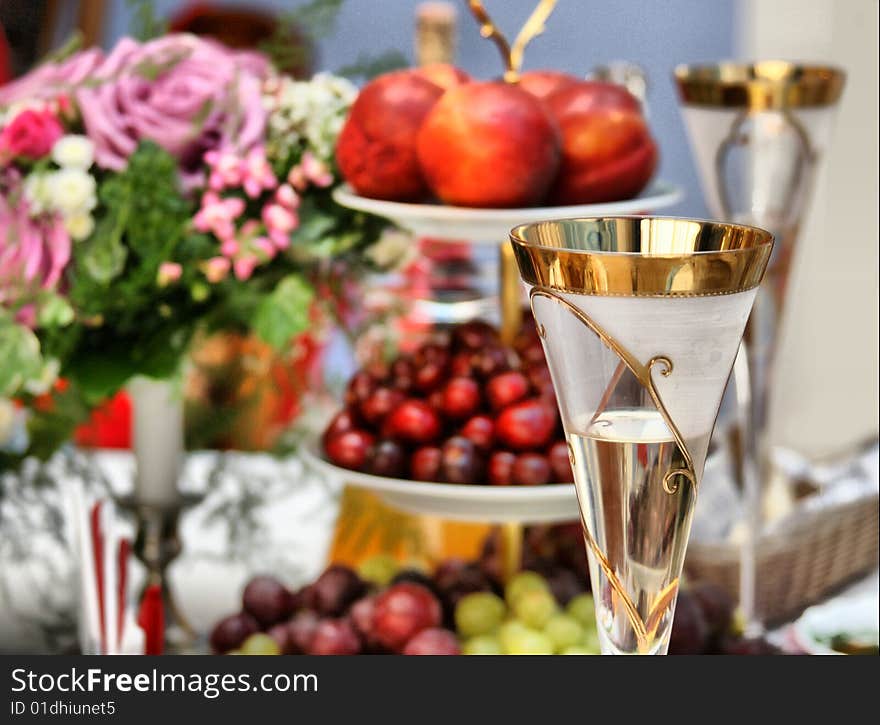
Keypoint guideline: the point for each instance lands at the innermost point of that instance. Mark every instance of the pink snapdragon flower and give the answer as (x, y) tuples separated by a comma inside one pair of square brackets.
[(169, 272), (280, 222), (216, 269), (225, 169), (244, 266), (256, 173), (310, 169), (287, 197), (218, 215)]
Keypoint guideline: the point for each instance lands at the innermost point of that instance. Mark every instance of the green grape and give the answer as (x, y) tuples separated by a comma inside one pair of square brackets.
[(518, 639), (523, 582), (535, 607), (483, 644), (578, 650), (260, 644), (379, 569), (583, 610), (591, 642), (564, 630), (478, 613)]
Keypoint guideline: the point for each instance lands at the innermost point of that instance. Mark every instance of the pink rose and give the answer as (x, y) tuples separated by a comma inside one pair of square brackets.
[(33, 252), (30, 134), (185, 93), (50, 81)]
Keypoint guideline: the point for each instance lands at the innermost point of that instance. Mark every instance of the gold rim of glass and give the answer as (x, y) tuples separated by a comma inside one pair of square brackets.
[(640, 256), (765, 85)]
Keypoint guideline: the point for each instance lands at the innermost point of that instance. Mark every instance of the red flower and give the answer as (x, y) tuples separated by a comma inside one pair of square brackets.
[(30, 134)]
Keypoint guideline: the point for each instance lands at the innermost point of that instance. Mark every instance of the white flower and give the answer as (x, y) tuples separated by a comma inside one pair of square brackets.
[(48, 376), (72, 191), (37, 192), (79, 225), (74, 150), (392, 250)]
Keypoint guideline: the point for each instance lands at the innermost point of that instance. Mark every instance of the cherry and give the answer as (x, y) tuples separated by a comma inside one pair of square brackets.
[(414, 421), (527, 424), (474, 335), (379, 404), (460, 462), (501, 468), (424, 464), (430, 375), (506, 388), (402, 374), (462, 364), (350, 449), (388, 459), (431, 352), (359, 387), (480, 430), (490, 361), (461, 398), (345, 420), (434, 641), (531, 469), (435, 400), (560, 463), (402, 611)]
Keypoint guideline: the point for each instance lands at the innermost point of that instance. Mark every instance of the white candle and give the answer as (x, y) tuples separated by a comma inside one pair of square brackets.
[(157, 417)]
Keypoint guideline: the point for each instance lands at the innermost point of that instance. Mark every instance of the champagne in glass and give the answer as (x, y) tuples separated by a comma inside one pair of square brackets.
[(640, 320)]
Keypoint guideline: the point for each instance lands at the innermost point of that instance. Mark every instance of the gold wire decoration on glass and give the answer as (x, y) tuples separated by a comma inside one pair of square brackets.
[(512, 54), (640, 319)]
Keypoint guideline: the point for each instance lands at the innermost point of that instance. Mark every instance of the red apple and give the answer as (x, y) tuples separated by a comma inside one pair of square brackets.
[(376, 150), (541, 83), (444, 75), (607, 150), (489, 144)]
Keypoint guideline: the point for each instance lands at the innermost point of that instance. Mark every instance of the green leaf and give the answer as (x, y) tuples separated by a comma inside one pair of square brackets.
[(20, 358), (284, 312), (103, 254), (368, 66)]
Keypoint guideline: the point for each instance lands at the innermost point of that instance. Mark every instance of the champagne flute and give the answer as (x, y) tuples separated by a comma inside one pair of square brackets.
[(640, 318)]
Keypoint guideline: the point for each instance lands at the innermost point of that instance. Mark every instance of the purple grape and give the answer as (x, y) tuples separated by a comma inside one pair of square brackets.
[(267, 600), (230, 632), (336, 589)]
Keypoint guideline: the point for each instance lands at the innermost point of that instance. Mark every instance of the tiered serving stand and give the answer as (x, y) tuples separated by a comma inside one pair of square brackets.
[(511, 507)]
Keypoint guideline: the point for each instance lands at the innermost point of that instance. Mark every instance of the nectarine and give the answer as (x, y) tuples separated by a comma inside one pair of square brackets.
[(444, 75), (541, 83), (607, 150), (489, 144), (376, 150)]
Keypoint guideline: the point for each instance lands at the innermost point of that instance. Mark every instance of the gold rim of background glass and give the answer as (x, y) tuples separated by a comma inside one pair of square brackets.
[(765, 85), (634, 256)]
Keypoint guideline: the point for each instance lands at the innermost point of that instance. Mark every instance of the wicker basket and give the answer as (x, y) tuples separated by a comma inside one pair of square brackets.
[(819, 551)]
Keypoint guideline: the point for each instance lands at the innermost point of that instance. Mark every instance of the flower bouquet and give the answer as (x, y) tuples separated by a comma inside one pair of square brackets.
[(160, 189)]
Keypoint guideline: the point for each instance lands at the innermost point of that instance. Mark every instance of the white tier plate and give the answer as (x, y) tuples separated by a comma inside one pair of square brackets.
[(491, 226), (495, 504)]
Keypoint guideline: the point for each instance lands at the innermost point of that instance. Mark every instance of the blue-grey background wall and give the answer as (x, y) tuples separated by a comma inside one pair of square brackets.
[(655, 34)]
